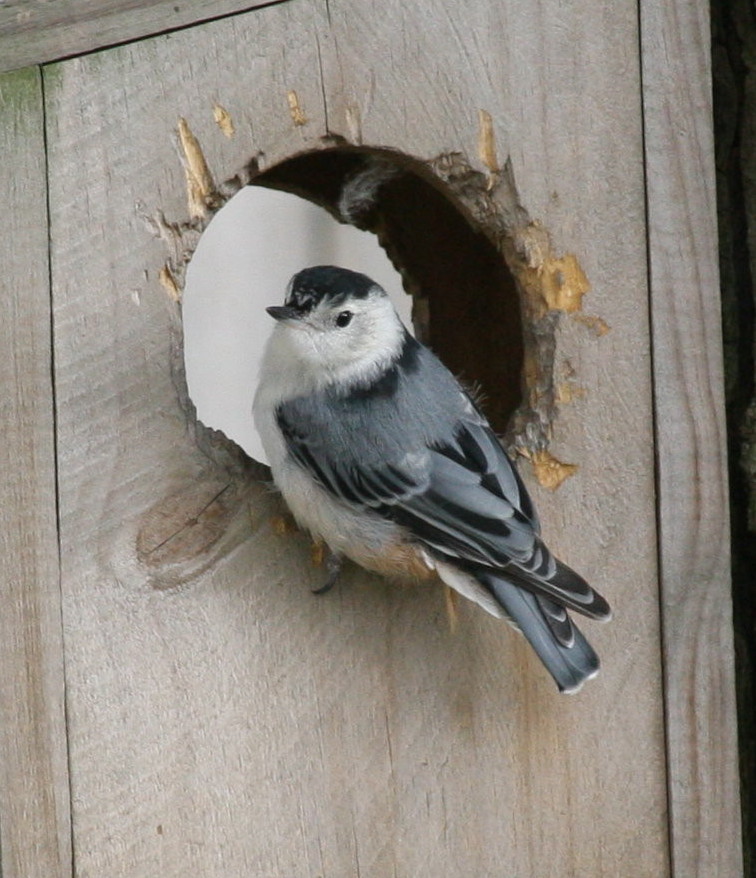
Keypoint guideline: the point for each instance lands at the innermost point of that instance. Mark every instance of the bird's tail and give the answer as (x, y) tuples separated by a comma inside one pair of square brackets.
[(560, 645)]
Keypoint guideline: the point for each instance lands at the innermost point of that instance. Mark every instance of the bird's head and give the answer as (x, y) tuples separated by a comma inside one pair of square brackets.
[(338, 325)]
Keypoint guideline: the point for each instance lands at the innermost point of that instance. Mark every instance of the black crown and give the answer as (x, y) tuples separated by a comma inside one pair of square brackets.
[(311, 286)]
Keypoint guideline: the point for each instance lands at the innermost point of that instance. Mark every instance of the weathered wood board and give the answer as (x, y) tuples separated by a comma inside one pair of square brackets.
[(35, 837), (694, 535), (221, 719), (35, 31)]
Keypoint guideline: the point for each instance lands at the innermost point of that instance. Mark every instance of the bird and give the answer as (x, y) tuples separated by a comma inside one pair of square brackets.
[(384, 456)]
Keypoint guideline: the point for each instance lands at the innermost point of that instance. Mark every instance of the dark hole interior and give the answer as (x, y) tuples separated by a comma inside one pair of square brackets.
[(449, 265)]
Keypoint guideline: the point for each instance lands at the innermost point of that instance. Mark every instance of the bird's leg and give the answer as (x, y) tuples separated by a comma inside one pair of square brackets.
[(333, 564)]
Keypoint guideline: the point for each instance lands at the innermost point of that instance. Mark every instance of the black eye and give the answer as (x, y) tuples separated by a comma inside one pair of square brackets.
[(344, 319)]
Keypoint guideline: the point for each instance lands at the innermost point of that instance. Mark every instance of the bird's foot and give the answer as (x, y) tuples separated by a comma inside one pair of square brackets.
[(333, 564)]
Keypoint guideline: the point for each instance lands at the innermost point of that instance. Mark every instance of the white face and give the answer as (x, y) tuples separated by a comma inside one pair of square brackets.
[(348, 341)]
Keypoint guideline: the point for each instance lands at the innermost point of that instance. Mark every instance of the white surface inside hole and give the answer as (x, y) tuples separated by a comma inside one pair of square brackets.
[(243, 262)]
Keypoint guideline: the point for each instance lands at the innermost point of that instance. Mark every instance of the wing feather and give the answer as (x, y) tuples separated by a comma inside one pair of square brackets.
[(462, 497)]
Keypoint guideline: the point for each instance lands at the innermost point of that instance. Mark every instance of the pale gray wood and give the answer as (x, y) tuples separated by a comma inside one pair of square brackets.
[(573, 131), (38, 31), (35, 836), (223, 721), (694, 539)]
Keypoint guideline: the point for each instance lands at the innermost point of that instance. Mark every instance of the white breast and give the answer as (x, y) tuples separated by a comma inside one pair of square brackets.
[(348, 531)]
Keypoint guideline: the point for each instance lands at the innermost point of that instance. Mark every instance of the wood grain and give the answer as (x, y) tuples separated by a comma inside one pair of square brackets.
[(580, 173), (38, 31), (34, 797), (694, 543), (223, 721)]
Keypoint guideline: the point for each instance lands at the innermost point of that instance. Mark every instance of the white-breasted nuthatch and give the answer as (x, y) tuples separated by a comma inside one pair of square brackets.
[(380, 453)]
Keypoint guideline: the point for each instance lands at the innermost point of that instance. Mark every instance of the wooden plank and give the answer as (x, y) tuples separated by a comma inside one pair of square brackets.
[(191, 673), (34, 798), (37, 31), (691, 443), (224, 721), (563, 92)]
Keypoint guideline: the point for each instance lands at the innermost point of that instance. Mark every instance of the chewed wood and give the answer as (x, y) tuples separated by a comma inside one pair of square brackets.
[(34, 795)]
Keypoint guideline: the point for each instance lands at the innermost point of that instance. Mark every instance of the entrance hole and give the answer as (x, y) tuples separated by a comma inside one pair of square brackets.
[(462, 295)]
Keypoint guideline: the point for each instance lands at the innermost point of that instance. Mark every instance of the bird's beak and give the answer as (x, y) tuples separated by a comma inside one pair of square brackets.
[(283, 312)]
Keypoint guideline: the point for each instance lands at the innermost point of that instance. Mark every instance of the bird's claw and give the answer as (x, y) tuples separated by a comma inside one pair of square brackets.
[(333, 564)]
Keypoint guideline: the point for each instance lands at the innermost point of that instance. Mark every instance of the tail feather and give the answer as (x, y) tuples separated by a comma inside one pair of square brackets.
[(570, 660), (552, 578), (558, 620)]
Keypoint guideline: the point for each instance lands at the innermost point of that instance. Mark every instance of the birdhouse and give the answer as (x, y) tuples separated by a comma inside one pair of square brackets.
[(176, 700)]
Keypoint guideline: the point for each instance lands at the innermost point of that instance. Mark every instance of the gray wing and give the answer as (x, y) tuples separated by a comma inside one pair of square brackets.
[(462, 498)]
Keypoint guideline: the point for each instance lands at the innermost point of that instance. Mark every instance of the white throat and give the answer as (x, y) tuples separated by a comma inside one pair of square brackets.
[(299, 361)]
